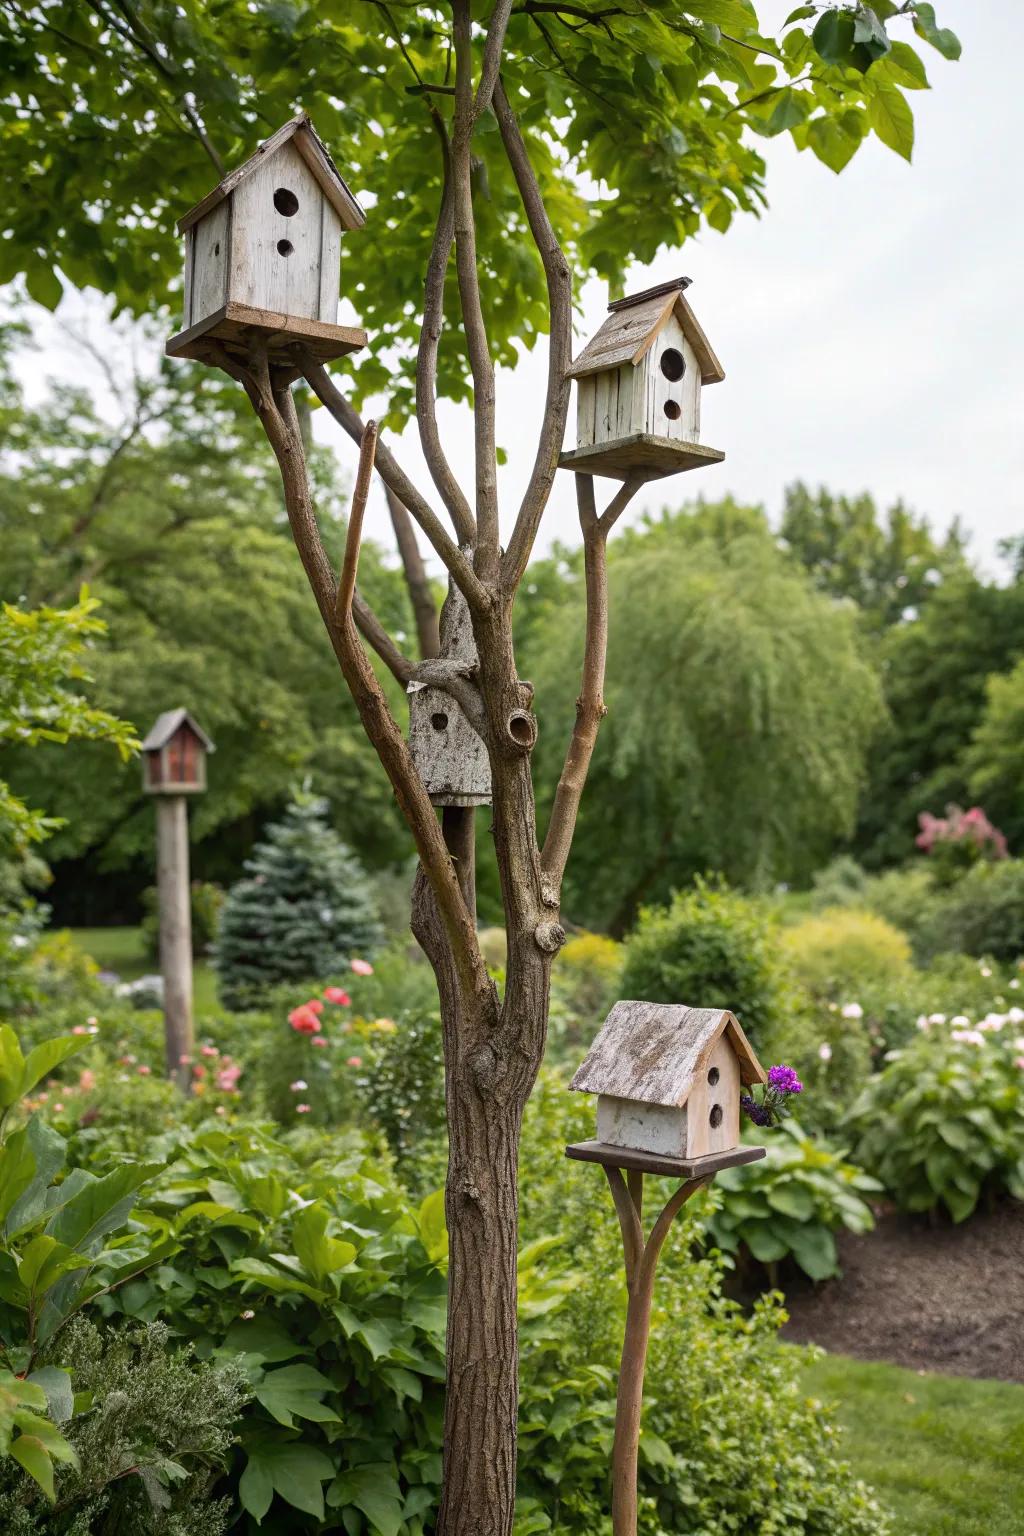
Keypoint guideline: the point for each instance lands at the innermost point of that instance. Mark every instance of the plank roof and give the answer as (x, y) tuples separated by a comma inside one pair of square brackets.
[(655, 1052), (313, 150), (633, 324), (165, 725)]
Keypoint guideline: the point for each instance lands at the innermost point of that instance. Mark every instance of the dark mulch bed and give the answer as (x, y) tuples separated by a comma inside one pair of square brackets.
[(938, 1298)]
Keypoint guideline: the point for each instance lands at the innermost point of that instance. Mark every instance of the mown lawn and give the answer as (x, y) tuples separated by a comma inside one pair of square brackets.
[(946, 1454), (122, 950)]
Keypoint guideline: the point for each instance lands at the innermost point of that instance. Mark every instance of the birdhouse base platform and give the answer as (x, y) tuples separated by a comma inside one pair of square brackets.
[(640, 453), (673, 1167), (235, 326)]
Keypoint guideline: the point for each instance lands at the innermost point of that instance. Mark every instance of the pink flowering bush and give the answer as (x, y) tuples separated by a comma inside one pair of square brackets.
[(959, 839)]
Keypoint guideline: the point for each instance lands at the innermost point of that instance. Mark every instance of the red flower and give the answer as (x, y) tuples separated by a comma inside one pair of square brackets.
[(304, 1020), (337, 995), (315, 1005), (354, 1061)]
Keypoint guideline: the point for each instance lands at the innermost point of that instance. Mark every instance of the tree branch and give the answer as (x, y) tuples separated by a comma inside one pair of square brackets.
[(353, 538), (327, 392), (556, 405), (590, 705), (423, 606)]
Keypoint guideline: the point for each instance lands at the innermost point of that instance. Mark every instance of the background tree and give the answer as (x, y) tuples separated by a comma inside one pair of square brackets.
[(598, 136), (994, 760), (740, 713), (303, 910)]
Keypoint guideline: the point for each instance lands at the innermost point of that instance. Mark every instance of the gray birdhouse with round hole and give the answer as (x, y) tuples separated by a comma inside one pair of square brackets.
[(667, 1080), (449, 753), (639, 382), (263, 253)]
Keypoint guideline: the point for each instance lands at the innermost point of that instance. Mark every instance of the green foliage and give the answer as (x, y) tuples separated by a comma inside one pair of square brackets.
[(983, 913), (149, 1430), (403, 1092), (206, 902), (684, 94), (587, 975), (943, 1121), (994, 760), (791, 1203), (41, 662), (841, 883), (711, 948), (838, 952), (304, 909), (731, 684), (884, 564)]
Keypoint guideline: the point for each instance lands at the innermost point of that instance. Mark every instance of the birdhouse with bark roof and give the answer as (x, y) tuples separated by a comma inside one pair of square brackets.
[(174, 755), (263, 253), (639, 382), (667, 1080)]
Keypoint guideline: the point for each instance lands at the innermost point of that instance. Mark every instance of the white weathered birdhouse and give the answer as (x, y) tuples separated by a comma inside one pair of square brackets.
[(638, 389), (668, 1079), (448, 752), (174, 755), (263, 251)]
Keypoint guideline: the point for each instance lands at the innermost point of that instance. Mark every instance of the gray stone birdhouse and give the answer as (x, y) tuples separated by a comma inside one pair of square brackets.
[(174, 755), (639, 382), (263, 252), (667, 1080), (449, 754)]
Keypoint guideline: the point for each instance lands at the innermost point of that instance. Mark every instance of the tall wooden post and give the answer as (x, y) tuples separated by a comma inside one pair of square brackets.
[(174, 893), (174, 767)]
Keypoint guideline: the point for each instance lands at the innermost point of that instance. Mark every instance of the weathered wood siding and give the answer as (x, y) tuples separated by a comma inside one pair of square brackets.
[(276, 258)]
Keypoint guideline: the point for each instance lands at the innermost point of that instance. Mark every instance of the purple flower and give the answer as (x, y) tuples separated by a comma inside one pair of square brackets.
[(784, 1080), (757, 1112)]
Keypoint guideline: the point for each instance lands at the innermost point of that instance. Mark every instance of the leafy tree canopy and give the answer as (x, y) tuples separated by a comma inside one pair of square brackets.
[(995, 757), (886, 564), (740, 710), (172, 515), (642, 120)]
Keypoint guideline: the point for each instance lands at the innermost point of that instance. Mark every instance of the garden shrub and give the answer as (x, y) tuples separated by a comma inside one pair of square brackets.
[(792, 1203), (943, 1122), (712, 948), (587, 975), (982, 913), (305, 909), (838, 952), (841, 883), (403, 1093), (907, 898)]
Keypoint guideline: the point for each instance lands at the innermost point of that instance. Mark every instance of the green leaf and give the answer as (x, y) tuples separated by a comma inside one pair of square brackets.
[(320, 1255), (47, 1150), (833, 37), (374, 1490), (925, 25), (763, 1243), (890, 116), (44, 285), (294, 1470), (100, 1206), (263, 1337), (56, 1383), (433, 1232), (12, 1065), (792, 1200), (903, 66), (43, 1058), (295, 1389), (814, 1249), (44, 1261), (801, 13), (869, 33), (31, 1454)]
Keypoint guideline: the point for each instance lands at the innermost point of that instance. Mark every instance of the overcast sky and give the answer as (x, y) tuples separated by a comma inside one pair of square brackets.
[(870, 324)]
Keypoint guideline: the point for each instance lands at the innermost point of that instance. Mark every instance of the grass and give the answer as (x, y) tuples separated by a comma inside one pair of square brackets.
[(945, 1454), (122, 950)]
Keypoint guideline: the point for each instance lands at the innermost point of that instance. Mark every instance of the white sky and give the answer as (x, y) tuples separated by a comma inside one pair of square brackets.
[(870, 324)]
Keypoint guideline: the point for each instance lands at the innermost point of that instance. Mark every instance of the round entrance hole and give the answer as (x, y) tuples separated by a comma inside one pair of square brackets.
[(715, 1116), (673, 364), (286, 202), (284, 247), (673, 410), (439, 721), (713, 1076)]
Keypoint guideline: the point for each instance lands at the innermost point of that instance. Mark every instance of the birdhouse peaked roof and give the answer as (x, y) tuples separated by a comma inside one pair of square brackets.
[(655, 1052), (633, 325), (316, 155), (165, 725)]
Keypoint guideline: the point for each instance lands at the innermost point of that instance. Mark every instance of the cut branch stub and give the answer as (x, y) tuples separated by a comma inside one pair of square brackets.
[(521, 727), (549, 936)]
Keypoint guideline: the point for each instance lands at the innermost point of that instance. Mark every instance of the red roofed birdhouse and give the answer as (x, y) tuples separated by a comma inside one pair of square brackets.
[(667, 1079), (639, 382), (174, 755), (263, 253)]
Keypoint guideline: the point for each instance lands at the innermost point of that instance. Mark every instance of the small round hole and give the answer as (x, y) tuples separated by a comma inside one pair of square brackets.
[(286, 202), (439, 721), (520, 728), (715, 1116), (713, 1076), (285, 248), (673, 365), (673, 410), (216, 249)]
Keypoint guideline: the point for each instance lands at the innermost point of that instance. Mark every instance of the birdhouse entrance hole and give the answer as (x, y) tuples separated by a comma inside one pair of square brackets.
[(439, 721), (673, 410), (713, 1076), (284, 247), (673, 365), (286, 202), (715, 1116)]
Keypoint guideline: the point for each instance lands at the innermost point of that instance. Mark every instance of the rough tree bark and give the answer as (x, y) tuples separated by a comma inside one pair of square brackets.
[(493, 1046)]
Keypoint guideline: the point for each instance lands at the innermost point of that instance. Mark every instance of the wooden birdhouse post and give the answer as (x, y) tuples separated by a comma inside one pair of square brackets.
[(667, 1080), (639, 382), (174, 767), (263, 254)]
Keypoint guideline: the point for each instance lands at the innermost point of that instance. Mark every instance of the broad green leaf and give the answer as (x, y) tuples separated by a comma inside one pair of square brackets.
[(12, 1065), (48, 1150), (44, 285), (925, 25), (833, 37), (763, 1243), (375, 1491), (31, 1454), (43, 1058), (433, 1232), (832, 146), (263, 1337), (17, 1169), (801, 13), (869, 33), (294, 1470), (295, 1389), (792, 1200), (44, 1261), (320, 1255), (890, 116), (100, 1206), (814, 1249), (903, 66), (56, 1383), (255, 1489)]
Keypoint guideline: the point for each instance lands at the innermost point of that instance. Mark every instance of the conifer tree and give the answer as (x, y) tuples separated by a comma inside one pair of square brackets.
[(303, 910)]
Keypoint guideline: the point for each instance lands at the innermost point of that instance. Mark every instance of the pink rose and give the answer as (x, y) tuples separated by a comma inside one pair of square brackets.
[(354, 1061), (227, 1078), (318, 1040), (315, 1005), (337, 995), (304, 1020), (143, 1071), (362, 967), (79, 1029), (208, 1050), (302, 1109), (87, 1080)]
